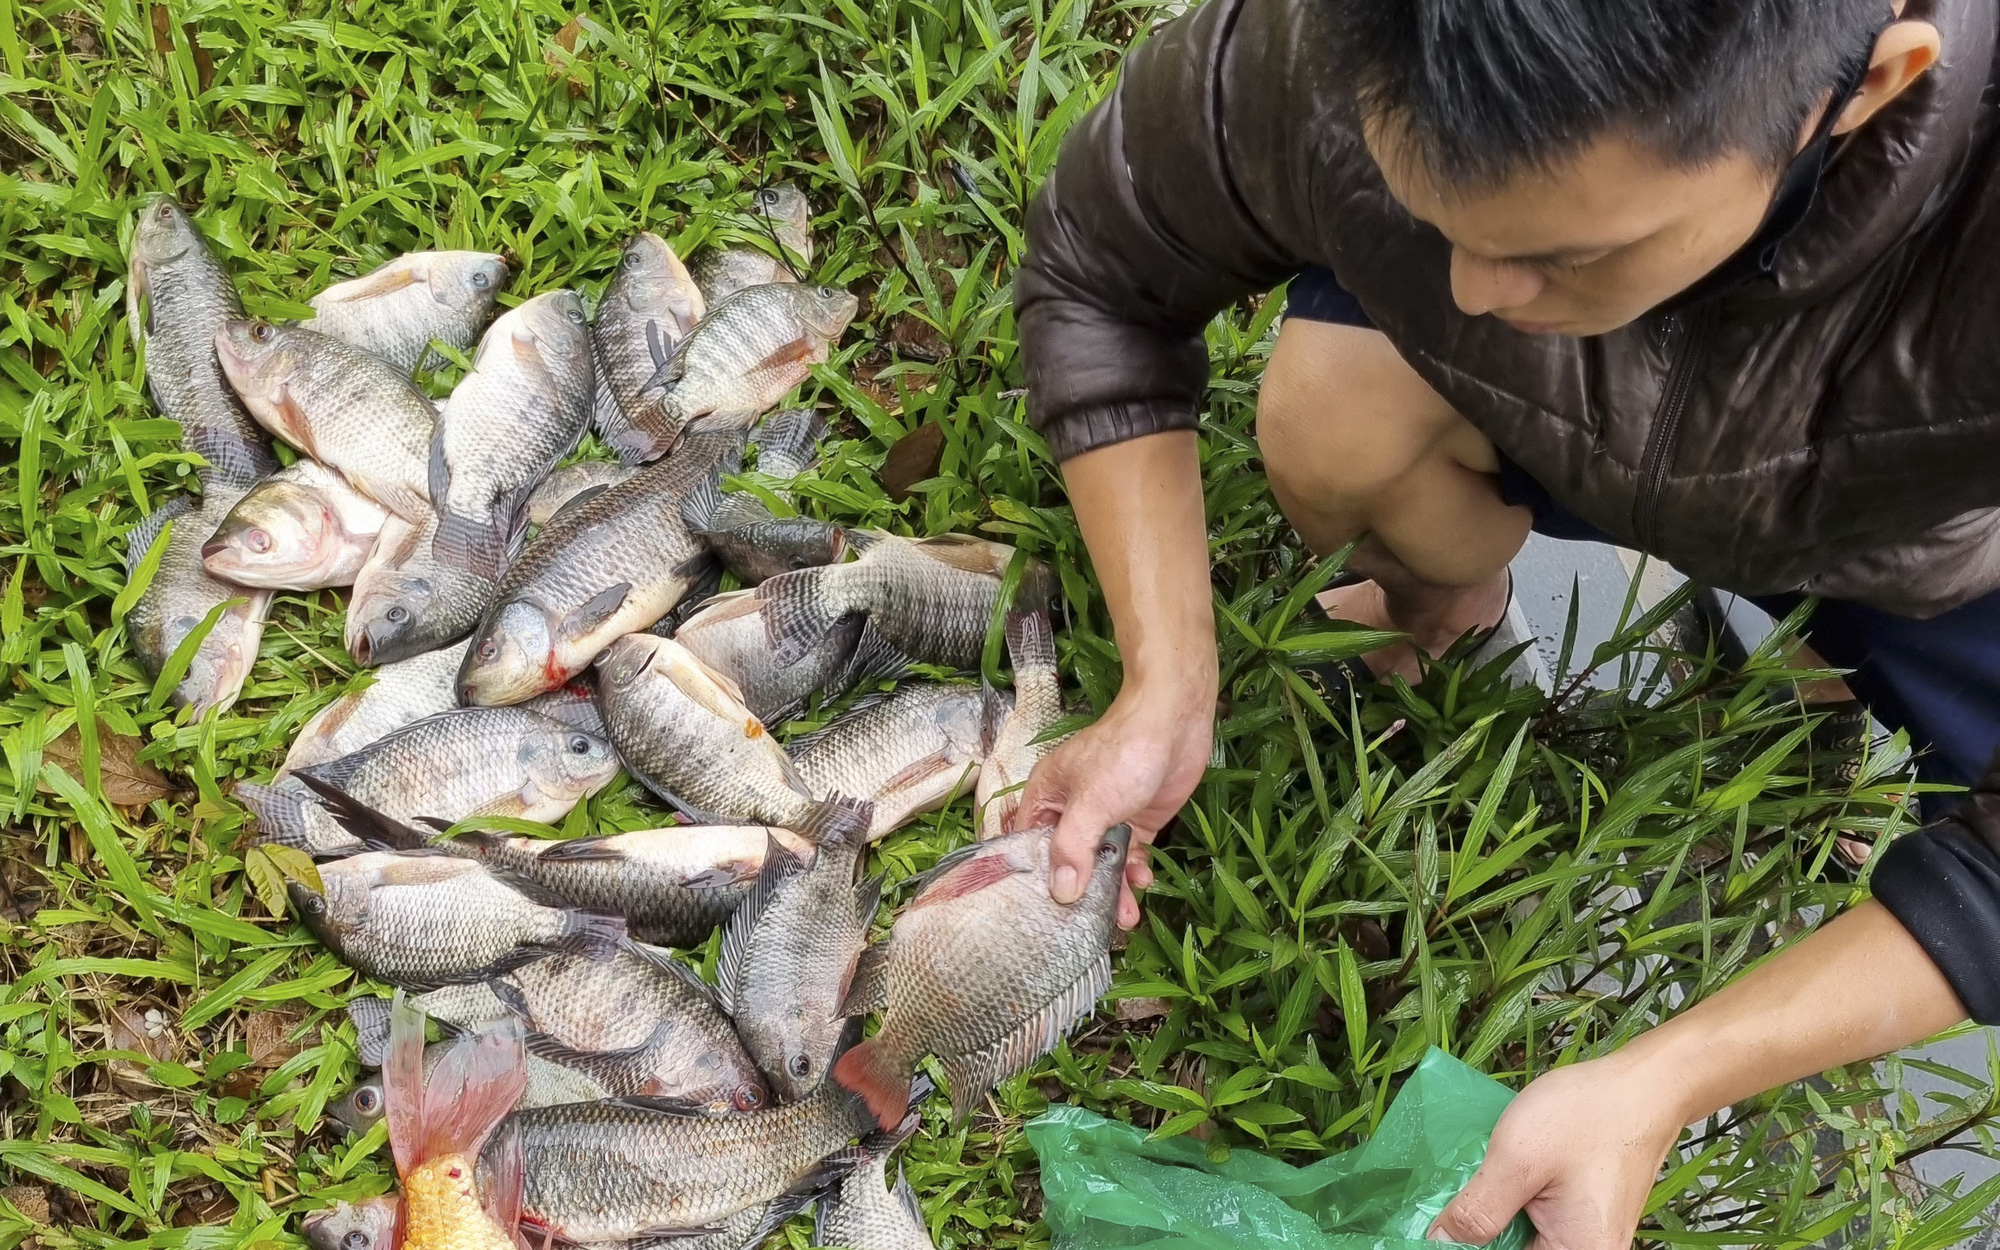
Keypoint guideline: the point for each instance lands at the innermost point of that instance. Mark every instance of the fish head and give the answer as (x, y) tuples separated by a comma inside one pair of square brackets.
[(556, 319), (795, 1047), (366, 1225), (162, 234), (962, 722), (1107, 868), (389, 619), (260, 361), (280, 529), (825, 310), (764, 549), (315, 909), (512, 658), (790, 216), (467, 281), (360, 1109), (567, 763)]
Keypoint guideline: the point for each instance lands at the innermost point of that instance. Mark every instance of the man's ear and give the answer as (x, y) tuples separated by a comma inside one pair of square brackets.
[(1904, 52)]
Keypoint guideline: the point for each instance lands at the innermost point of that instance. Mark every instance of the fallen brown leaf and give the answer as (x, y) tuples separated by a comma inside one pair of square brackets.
[(915, 457), (1135, 1010), (32, 1201), (128, 781), (266, 1037)]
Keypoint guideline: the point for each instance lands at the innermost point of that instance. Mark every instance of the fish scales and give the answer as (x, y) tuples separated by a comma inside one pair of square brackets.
[(863, 1212), (1037, 706), (177, 298), (729, 635), (400, 694)]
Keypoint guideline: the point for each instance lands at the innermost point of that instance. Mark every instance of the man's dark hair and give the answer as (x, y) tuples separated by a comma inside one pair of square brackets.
[(1486, 88)]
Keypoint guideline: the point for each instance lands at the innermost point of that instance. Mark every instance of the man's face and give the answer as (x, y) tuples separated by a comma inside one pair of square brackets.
[(1591, 246)]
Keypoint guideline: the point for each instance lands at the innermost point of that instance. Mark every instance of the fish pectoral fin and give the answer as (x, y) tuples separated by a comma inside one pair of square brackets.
[(918, 772), (583, 851), (383, 281), (973, 1076), (670, 363), (593, 614), (967, 554), (796, 352), (868, 991)]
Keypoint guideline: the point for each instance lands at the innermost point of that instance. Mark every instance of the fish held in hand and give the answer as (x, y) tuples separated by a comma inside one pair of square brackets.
[(1015, 734), (983, 970), (907, 752), (602, 568), (722, 273), (790, 951), (648, 307), (928, 600), (177, 297), (397, 309), (862, 1211), (521, 409), (406, 601), (674, 886), (683, 730), (730, 636), (347, 408), (401, 693), (302, 528), (421, 920), (745, 356), (183, 594), (438, 1123)]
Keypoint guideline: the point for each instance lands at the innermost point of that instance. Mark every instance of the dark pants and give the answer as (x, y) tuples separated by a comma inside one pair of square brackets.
[(1939, 679)]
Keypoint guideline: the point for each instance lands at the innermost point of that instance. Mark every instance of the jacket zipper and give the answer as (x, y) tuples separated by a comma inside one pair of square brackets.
[(1661, 440)]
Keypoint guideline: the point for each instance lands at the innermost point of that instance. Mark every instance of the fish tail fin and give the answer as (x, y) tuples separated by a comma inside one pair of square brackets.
[(468, 1092), (1031, 641), (505, 1168), (595, 935), (797, 612), (879, 1078), (479, 547), (838, 822), (646, 434), (283, 814), (370, 1017), (788, 441)]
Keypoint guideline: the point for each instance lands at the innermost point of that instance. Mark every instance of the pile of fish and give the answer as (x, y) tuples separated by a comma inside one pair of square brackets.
[(535, 623)]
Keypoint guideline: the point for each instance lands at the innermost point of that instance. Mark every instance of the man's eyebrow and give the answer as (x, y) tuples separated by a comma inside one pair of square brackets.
[(1565, 256)]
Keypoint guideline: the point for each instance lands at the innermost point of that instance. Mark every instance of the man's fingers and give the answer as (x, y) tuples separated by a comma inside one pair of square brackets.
[(1042, 798), (1128, 907), (1078, 835), (1494, 1196)]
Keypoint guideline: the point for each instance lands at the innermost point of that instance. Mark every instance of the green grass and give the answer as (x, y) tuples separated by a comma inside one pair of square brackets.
[(1523, 882)]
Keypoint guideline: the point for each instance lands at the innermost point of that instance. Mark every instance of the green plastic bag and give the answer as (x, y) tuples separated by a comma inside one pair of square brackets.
[(1104, 1184)]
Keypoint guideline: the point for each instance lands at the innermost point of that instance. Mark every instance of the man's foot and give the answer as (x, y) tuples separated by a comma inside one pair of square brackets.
[(1433, 617)]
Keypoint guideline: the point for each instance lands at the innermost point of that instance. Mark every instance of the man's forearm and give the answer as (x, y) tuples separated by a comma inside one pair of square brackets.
[(1859, 987), (1139, 506)]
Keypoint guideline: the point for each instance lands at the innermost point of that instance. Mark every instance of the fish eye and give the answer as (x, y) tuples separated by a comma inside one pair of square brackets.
[(367, 1099), (801, 1066), (748, 1098), (481, 279), (355, 1240), (398, 614), (579, 745), (313, 903), (487, 650), (827, 292), (257, 540), (767, 196), (1108, 852), (165, 212), (261, 331), (574, 314)]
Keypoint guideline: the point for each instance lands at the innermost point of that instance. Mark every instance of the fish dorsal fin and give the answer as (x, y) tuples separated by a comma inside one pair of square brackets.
[(963, 551), (383, 280), (663, 962), (780, 867), (868, 900), (868, 991), (140, 538), (806, 744), (974, 1075), (861, 541)]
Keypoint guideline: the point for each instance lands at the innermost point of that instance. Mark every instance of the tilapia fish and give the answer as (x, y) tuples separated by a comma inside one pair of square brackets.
[(862, 1212), (302, 528), (612, 1170), (609, 565), (398, 694), (928, 600), (369, 1224), (421, 920), (395, 310), (522, 408), (1014, 748), (347, 408), (640, 1023), (753, 543), (749, 351), (674, 886), (177, 297), (683, 731), (648, 308), (721, 274), (790, 950), (438, 1121), (448, 766), (983, 970), (406, 601), (730, 636), (549, 1085), (907, 752), (573, 482), (182, 594)]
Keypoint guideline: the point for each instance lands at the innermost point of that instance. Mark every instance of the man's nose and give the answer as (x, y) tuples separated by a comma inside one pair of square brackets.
[(1480, 286)]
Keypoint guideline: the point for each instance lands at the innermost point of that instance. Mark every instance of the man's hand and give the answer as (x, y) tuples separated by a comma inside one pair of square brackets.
[(1137, 764), (1578, 1151)]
